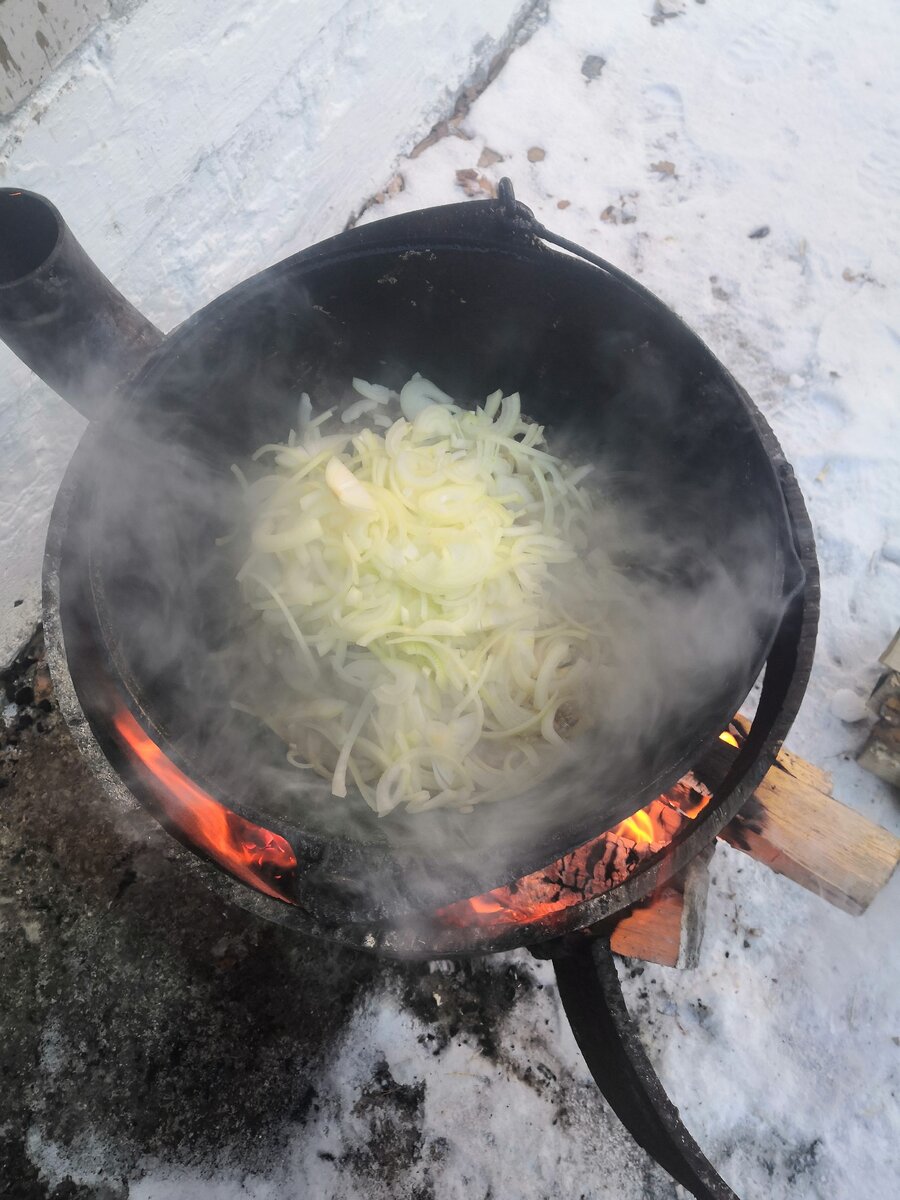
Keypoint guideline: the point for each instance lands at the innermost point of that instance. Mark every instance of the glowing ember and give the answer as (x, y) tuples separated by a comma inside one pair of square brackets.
[(256, 856), (590, 870)]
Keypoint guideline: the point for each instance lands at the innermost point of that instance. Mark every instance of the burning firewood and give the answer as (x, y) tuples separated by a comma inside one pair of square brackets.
[(793, 825)]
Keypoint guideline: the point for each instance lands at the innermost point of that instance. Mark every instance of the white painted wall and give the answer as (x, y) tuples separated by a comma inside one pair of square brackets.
[(190, 145)]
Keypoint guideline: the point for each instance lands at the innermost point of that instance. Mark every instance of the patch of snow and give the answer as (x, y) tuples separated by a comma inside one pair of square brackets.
[(481, 1128), (848, 706)]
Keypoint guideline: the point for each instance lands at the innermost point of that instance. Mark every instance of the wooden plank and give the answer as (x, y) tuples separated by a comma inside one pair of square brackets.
[(668, 928), (652, 931), (805, 834), (804, 772), (794, 826)]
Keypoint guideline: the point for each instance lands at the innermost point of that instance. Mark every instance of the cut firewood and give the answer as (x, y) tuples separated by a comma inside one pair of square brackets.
[(795, 826), (881, 753), (885, 689), (668, 928)]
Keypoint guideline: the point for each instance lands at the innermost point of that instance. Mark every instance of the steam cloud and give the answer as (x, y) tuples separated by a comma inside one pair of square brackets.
[(689, 583)]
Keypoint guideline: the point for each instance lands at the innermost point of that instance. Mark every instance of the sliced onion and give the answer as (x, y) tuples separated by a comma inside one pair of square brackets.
[(339, 779), (416, 566)]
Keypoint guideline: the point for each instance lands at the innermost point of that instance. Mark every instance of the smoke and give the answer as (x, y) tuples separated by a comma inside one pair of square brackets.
[(684, 575)]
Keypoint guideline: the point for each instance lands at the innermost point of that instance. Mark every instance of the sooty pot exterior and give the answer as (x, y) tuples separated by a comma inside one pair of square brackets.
[(473, 296)]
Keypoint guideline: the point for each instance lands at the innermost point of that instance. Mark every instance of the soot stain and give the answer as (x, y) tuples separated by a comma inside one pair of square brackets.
[(139, 1013), (470, 1000), (393, 1113), (136, 1011)]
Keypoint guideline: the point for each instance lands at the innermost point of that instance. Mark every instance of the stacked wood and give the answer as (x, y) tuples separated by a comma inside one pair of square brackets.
[(881, 753)]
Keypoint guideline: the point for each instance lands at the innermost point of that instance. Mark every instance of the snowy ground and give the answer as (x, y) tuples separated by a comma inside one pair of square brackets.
[(706, 123)]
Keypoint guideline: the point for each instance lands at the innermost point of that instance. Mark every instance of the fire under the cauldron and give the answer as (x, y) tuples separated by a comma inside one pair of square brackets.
[(594, 868), (265, 861), (256, 856)]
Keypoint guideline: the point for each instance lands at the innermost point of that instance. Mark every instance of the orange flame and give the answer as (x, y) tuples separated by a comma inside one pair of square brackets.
[(639, 828), (576, 878), (256, 856)]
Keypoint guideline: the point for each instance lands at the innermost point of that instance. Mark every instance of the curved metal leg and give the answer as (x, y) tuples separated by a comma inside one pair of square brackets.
[(592, 998)]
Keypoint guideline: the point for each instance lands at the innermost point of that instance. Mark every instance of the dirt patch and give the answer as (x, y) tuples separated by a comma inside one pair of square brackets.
[(141, 1016)]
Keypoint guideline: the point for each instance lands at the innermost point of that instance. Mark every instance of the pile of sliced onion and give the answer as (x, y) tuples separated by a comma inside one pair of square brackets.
[(412, 576)]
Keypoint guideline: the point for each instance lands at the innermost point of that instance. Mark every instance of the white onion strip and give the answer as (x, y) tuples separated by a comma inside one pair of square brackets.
[(422, 561)]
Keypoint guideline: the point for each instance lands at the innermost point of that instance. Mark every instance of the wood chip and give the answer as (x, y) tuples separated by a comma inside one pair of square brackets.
[(536, 154), (474, 184), (664, 167), (42, 684), (448, 128), (488, 157), (563, 203), (394, 185)]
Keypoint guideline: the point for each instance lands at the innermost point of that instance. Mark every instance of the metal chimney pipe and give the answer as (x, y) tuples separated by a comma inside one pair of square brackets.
[(59, 313)]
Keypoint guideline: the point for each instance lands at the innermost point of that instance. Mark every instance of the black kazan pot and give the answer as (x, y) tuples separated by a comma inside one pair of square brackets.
[(138, 611)]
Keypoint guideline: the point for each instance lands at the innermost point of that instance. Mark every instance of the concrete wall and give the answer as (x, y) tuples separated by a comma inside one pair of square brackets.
[(189, 145), (34, 36)]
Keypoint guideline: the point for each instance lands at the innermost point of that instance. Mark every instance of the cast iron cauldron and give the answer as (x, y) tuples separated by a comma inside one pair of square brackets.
[(473, 296)]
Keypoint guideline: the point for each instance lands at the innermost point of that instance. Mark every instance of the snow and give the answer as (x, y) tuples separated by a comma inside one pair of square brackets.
[(35, 40), (848, 706), (485, 1128), (782, 1049)]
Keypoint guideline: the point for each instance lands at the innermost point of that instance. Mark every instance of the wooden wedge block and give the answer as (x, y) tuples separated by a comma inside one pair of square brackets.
[(668, 928), (795, 826)]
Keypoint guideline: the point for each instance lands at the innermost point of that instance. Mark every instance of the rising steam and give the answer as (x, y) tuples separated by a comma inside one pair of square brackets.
[(685, 585)]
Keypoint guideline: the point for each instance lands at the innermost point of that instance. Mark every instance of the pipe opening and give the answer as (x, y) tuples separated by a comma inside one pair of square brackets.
[(29, 231)]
